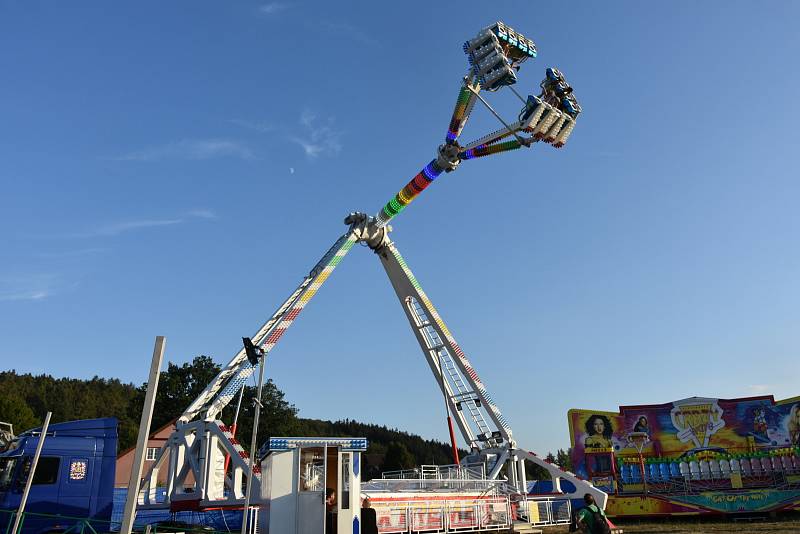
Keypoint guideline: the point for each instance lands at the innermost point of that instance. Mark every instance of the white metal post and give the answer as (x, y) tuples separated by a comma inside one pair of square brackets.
[(523, 477), (144, 432), (35, 462), (251, 477)]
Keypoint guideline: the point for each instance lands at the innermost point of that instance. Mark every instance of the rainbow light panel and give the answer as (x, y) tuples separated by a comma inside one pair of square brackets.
[(488, 150), (272, 335), (413, 188), (451, 340), (464, 104), (312, 289)]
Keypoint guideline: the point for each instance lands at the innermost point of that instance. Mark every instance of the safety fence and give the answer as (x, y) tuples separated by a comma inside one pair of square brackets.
[(541, 511), (450, 472), (443, 515), (38, 522), (396, 485)]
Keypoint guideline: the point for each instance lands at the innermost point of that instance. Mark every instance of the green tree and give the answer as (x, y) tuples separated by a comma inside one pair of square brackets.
[(14, 410), (564, 459), (398, 457), (23, 397), (278, 417), (178, 386)]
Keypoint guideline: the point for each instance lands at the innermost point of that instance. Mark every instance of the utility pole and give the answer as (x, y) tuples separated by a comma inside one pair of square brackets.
[(35, 462), (254, 354), (144, 431)]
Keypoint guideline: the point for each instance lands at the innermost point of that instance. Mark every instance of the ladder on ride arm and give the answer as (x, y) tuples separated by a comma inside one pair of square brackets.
[(462, 395)]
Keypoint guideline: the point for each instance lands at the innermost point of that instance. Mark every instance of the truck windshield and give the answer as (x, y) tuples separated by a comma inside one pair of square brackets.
[(7, 466)]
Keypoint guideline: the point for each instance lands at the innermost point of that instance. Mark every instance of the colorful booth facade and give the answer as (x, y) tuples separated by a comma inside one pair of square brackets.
[(692, 456)]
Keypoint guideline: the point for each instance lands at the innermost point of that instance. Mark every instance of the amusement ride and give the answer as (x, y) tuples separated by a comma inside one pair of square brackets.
[(197, 450)]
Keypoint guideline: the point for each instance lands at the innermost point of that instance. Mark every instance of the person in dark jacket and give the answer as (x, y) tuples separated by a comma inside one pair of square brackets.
[(369, 519), (591, 518)]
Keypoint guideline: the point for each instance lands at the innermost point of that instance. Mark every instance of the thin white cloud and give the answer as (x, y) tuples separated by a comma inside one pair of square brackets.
[(192, 149), (28, 287), (291, 170), (321, 138), (126, 226), (272, 8), (259, 126), (760, 388), (202, 214), (25, 295), (121, 227)]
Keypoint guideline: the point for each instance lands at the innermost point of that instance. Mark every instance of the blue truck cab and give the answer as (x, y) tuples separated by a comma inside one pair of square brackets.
[(74, 477)]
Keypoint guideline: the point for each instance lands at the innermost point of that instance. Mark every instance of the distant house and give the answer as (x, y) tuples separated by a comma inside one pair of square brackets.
[(154, 444)]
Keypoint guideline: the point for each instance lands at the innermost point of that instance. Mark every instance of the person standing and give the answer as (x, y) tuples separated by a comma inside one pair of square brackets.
[(591, 518), (331, 524)]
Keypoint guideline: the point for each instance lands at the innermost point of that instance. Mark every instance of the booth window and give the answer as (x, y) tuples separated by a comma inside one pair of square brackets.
[(312, 469)]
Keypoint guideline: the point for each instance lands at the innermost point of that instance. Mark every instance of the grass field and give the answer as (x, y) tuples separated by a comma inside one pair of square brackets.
[(785, 525)]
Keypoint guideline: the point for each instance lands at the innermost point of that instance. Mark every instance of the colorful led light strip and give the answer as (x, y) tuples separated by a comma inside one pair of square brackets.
[(457, 122), (295, 310), (488, 150), (495, 136), (413, 188), (323, 269), (451, 340)]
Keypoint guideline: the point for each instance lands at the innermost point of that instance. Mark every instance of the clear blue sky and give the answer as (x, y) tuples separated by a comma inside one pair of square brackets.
[(175, 168)]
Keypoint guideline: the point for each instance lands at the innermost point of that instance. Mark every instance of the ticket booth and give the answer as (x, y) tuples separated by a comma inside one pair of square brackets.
[(297, 475)]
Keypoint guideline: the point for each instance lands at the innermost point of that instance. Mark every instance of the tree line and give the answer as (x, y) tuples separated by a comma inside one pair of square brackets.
[(25, 398)]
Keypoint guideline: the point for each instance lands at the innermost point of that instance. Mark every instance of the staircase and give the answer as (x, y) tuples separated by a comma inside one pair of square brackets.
[(522, 527)]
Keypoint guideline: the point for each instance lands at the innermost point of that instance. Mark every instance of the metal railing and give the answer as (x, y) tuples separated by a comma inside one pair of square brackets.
[(431, 485), (693, 483), (450, 472), (65, 524), (400, 517), (543, 511)]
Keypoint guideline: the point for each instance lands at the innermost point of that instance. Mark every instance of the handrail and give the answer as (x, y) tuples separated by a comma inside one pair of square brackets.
[(88, 525)]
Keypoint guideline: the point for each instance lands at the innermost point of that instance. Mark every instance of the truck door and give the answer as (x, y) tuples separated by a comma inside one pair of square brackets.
[(75, 491)]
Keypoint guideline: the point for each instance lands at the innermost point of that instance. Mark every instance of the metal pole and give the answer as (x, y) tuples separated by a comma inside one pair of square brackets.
[(251, 477), (27, 490), (490, 108), (144, 431), (644, 477), (447, 410)]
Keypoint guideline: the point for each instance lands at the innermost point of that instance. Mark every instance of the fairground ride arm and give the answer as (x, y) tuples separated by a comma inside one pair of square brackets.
[(478, 417), (233, 376)]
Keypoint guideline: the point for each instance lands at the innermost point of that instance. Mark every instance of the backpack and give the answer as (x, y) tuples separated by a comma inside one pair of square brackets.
[(600, 525)]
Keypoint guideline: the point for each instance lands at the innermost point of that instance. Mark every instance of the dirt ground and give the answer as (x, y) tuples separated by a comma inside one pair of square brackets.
[(784, 525)]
